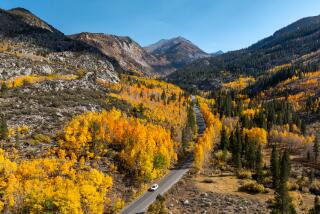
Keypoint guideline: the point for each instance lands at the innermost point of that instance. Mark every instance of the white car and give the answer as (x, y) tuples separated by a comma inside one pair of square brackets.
[(154, 187)]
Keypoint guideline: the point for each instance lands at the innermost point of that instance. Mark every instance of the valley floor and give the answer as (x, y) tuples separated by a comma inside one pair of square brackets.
[(218, 193)]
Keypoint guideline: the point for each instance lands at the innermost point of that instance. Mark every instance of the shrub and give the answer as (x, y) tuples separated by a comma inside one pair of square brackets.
[(303, 182), (244, 174), (208, 181), (296, 199), (80, 73), (42, 138), (118, 205), (158, 206), (315, 187), (292, 186), (252, 187), (33, 142), (222, 165), (223, 156), (267, 181)]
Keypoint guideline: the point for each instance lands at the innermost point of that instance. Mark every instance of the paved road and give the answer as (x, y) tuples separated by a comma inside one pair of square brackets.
[(141, 204), (200, 120)]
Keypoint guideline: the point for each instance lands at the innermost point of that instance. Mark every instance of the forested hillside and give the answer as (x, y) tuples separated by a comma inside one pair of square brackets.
[(297, 44)]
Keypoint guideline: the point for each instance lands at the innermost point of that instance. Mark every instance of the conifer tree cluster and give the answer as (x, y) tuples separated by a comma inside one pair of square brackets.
[(190, 130), (270, 113), (246, 153), (280, 169), (224, 104)]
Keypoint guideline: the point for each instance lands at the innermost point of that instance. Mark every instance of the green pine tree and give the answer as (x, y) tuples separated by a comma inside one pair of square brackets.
[(192, 122), (259, 164), (283, 200), (275, 167), (224, 139), (4, 87), (251, 154), (3, 128)]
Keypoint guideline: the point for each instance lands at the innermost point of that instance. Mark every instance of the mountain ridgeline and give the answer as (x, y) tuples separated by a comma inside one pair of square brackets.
[(40, 49), (25, 33), (178, 51), (297, 44), (127, 52)]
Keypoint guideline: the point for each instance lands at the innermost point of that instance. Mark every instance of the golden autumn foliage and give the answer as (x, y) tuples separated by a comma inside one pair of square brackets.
[(240, 83), (32, 79), (21, 131), (147, 150), (250, 112), (299, 88), (279, 68), (51, 185), (210, 102), (211, 135), (256, 135), (160, 102)]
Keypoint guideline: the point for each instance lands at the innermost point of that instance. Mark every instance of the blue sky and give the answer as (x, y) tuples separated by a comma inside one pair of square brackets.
[(211, 24)]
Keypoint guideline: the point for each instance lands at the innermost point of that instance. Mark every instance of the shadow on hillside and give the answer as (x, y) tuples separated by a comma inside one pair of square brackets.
[(55, 41)]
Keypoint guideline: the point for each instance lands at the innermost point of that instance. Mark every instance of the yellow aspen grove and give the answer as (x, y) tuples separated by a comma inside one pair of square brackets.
[(157, 101), (240, 83), (51, 185), (257, 135), (147, 149), (211, 135), (32, 79)]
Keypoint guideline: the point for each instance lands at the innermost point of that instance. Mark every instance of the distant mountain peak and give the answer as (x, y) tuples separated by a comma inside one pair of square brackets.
[(125, 50), (164, 42), (217, 53), (180, 38), (178, 50)]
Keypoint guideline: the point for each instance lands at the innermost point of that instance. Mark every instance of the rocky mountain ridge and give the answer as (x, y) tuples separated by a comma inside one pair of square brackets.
[(178, 51), (23, 33), (126, 51), (29, 46)]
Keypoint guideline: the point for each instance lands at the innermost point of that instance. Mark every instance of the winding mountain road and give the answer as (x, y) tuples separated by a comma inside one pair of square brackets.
[(141, 204)]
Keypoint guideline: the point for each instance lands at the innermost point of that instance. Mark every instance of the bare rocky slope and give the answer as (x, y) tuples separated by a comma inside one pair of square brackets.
[(27, 37), (127, 52), (160, 59), (31, 46)]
